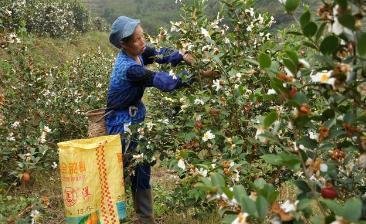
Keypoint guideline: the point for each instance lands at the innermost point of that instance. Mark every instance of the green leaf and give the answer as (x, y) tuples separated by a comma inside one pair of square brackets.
[(269, 193), (305, 18), (299, 99), (290, 65), (310, 29), (310, 44), (290, 160), (249, 206), (333, 206), (347, 20), (272, 159), (228, 219), (239, 192), (277, 85), (329, 44), (217, 180), (342, 3), (361, 43), (302, 185), (259, 183), (320, 31), (269, 119), (262, 207), (264, 60), (291, 5), (293, 56), (352, 209), (308, 142), (228, 192)]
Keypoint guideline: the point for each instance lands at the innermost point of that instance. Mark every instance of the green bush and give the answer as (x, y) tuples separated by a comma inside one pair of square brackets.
[(59, 18)]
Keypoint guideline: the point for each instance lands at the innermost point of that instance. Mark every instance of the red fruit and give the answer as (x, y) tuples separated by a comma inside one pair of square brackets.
[(293, 92), (198, 125), (304, 109), (25, 177), (329, 192)]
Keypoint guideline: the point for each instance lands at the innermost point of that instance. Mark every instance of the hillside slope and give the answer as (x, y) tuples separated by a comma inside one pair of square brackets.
[(159, 12)]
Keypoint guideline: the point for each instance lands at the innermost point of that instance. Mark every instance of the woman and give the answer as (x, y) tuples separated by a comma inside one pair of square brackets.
[(127, 84)]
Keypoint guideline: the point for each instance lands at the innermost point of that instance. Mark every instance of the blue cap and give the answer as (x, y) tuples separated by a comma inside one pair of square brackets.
[(122, 27)]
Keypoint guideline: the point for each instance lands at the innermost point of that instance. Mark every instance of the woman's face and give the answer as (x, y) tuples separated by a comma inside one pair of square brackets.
[(136, 45)]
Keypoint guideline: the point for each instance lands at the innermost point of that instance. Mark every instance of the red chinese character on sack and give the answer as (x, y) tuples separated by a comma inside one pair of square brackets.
[(85, 192), (63, 168), (73, 168), (70, 196), (119, 157), (82, 167)]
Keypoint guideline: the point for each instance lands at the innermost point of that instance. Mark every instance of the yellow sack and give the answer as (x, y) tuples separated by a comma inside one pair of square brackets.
[(92, 180)]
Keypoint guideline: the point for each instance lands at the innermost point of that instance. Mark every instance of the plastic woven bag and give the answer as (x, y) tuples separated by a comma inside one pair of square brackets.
[(92, 180)]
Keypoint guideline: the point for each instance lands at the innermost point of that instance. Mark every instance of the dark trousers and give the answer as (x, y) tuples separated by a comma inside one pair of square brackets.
[(141, 178)]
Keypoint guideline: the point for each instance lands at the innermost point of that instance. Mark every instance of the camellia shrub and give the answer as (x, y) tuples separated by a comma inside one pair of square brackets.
[(283, 109), (41, 105), (60, 18)]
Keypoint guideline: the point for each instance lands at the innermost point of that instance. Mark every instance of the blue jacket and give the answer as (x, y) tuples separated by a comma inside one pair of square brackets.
[(129, 80)]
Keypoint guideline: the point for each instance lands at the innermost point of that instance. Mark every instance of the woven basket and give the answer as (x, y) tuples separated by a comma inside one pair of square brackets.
[(96, 124)]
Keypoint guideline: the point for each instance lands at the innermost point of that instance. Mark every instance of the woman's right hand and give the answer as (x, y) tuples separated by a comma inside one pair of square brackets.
[(188, 58), (210, 74)]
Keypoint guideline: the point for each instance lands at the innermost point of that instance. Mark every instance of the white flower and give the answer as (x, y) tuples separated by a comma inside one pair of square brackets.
[(198, 102), (171, 73), (15, 124), (362, 89), (304, 63), (226, 40), (271, 92), (282, 1), (250, 27), (323, 167), (183, 107), (8, 12), (47, 129), (181, 164), (42, 139), (54, 165), (208, 136), (241, 218), (10, 137), (99, 85), (206, 48), (324, 77), (202, 172), (288, 72), (288, 206), (149, 125), (250, 11), (138, 156), (362, 161), (337, 28), (205, 33), (261, 19), (313, 136), (216, 84), (260, 130), (35, 213)]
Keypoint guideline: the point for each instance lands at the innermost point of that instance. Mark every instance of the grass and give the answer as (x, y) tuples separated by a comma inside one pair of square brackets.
[(55, 52), (44, 194)]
